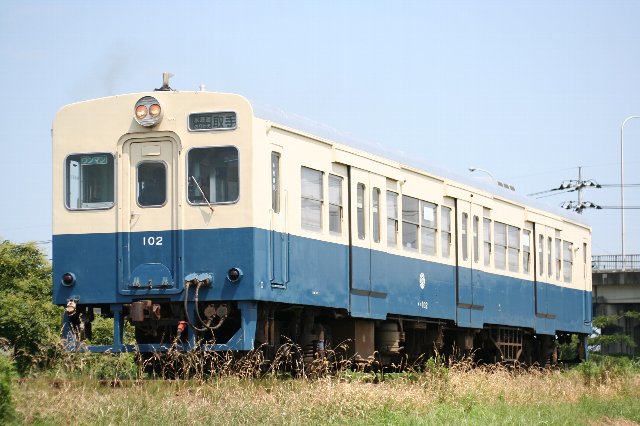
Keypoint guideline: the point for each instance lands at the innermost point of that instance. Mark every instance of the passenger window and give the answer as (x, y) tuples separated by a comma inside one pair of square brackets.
[(216, 171), (541, 254), (558, 257), (476, 243), (513, 242), (464, 236), (275, 182), (375, 206), (410, 224), (549, 256), (89, 181), (526, 250), (500, 244), (429, 227), (311, 199), (335, 204), (152, 184), (486, 223), (445, 213), (360, 211), (392, 219), (567, 261)]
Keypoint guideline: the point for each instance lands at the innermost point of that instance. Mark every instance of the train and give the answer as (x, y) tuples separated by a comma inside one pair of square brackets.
[(208, 222)]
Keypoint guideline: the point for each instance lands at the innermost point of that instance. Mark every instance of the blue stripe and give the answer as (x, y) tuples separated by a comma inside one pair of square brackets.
[(292, 269)]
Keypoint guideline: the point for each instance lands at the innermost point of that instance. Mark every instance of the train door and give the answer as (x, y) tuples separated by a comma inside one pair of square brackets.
[(278, 236), (148, 216), (367, 294), (469, 306), (543, 247)]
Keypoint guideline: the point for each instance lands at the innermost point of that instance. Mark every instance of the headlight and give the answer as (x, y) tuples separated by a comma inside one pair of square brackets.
[(148, 111)]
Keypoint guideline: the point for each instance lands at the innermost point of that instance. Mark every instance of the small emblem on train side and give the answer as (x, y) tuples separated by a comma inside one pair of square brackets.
[(423, 280)]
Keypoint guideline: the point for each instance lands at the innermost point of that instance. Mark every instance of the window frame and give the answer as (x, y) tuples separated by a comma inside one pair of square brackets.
[(340, 206), (393, 219), (361, 211), (411, 225), (445, 232), (166, 186), (375, 213), (188, 177), (275, 181), (321, 200), (65, 177)]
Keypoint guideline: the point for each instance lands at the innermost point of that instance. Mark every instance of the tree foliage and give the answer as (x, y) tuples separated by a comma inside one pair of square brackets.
[(28, 319), (604, 321)]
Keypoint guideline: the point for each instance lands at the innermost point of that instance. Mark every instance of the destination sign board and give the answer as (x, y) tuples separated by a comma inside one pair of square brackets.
[(203, 121)]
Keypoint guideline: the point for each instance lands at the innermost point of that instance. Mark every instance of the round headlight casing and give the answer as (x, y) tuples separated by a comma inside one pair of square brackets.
[(147, 111), (68, 279)]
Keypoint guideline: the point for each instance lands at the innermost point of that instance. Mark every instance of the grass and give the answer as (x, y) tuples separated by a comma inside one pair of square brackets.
[(436, 394)]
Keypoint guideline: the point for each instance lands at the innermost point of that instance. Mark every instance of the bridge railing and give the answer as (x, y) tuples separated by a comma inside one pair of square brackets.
[(613, 262)]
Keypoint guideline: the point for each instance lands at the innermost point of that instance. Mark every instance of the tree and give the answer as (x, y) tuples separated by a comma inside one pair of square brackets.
[(28, 318), (607, 321)]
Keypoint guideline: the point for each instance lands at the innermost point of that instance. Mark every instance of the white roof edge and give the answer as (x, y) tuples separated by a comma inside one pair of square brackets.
[(298, 123)]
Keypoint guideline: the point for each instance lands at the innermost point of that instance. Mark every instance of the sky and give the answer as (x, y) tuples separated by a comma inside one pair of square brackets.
[(526, 90)]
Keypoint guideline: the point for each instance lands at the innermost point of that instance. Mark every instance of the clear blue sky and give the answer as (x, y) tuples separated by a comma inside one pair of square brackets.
[(528, 90)]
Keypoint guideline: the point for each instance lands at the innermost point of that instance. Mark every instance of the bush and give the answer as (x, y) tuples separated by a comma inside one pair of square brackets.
[(28, 318), (7, 409)]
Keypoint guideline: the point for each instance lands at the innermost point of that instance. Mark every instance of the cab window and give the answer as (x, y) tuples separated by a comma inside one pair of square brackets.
[(215, 170), (152, 184), (89, 181)]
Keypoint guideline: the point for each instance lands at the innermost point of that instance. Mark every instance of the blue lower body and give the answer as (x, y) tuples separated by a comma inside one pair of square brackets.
[(115, 269)]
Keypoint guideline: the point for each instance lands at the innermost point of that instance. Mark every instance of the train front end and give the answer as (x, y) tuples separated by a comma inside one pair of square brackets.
[(152, 220)]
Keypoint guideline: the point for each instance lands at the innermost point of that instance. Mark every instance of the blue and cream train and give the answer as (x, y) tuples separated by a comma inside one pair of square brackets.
[(203, 222)]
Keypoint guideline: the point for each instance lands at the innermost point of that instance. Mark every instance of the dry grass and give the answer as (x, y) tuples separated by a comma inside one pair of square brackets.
[(436, 393), (221, 388)]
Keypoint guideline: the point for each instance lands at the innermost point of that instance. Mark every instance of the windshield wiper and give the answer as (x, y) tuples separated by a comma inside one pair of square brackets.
[(201, 192)]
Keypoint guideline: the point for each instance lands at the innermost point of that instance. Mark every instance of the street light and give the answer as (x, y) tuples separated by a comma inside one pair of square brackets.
[(475, 169), (622, 181), (496, 181)]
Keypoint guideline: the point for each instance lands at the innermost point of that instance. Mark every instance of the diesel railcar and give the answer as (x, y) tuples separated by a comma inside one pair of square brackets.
[(203, 222)]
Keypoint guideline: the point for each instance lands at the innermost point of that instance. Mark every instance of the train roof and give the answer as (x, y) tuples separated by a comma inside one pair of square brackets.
[(294, 122)]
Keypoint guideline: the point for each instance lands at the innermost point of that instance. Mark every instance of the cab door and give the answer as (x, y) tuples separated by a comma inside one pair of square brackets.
[(148, 215)]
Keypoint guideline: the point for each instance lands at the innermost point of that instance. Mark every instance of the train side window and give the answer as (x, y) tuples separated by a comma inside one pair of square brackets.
[(486, 222), (541, 254), (152, 184), (526, 250), (549, 256), (584, 260), (360, 211), (410, 223), (567, 261), (513, 242), (89, 181), (429, 227), (464, 236), (445, 235), (558, 257), (335, 204), (392, 219), (476, 238), (275, 182), (311, 199), (375, 206), (500, 244), (216, 171)]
